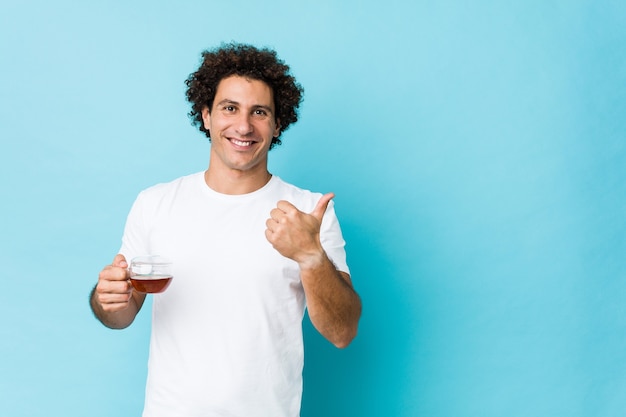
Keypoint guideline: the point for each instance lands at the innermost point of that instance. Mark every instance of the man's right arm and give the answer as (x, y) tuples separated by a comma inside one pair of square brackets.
[(113, 300)]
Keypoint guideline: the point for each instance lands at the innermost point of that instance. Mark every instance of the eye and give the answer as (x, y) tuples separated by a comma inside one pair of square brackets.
[(260, 112), (229, 108)]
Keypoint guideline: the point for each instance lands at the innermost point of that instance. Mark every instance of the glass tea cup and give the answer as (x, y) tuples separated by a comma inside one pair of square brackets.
[(150, 274)]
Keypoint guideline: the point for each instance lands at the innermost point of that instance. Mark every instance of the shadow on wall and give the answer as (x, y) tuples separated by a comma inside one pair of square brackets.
[(371, 377)]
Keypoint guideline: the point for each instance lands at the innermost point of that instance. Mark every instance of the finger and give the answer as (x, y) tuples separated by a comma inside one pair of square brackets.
[(285, 206), (112, 298), (271, 224), (113, 273), (120, 261), (114, 287), (277, 214), (321, 206), (113, 307)]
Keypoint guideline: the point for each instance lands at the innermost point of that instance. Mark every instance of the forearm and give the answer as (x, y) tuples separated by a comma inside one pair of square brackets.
[(119, 319), (334, 307)]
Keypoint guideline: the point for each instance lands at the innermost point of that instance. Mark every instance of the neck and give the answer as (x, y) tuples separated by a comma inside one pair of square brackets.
[(236, 182)]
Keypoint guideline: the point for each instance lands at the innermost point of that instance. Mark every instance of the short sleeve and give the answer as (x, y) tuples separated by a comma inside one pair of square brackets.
[(135, 237), (332, 239)]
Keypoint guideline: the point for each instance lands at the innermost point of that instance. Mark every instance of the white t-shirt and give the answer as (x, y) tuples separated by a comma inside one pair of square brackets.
[(227, 333)]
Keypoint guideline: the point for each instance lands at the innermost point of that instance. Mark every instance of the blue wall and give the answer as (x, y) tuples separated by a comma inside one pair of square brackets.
[(478, 156)]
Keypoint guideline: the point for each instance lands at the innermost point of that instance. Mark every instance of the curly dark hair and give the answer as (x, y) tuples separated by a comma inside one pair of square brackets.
[(250, 62)]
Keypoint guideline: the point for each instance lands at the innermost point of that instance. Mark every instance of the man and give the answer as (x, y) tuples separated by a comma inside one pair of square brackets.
[(249, 252)]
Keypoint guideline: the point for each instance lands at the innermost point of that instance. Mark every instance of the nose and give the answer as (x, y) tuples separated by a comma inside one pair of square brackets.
[(243, 125)]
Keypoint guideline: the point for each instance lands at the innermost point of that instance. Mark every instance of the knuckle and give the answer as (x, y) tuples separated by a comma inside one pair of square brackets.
[(103, 274)]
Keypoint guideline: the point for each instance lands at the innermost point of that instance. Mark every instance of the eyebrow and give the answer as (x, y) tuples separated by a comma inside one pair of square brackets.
[(227, 101)]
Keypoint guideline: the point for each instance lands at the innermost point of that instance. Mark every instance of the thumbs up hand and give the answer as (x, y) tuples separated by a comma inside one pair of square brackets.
[(295, 234)]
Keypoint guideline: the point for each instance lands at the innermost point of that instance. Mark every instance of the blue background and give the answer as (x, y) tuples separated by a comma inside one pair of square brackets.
[(477, 151)]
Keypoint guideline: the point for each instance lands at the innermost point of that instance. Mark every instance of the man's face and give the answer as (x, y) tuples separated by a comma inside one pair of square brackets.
[(242, 123)]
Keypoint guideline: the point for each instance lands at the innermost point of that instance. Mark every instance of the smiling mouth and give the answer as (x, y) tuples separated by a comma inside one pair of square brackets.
[(241, 142)]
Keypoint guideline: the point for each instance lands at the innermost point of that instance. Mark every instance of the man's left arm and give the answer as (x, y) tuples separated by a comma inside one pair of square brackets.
[(334, 307)]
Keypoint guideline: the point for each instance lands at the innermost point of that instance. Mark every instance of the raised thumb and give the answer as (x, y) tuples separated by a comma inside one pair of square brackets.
[(322, 204)]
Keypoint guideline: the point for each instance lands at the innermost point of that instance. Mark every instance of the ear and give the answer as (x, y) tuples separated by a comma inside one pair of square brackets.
[(206, 118), (277, 128)]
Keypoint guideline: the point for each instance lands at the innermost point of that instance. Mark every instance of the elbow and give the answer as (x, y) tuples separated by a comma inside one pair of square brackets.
[(342, 344), (344, 340), (349, 331)]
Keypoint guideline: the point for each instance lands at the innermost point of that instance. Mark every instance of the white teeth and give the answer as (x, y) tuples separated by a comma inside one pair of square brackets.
[(241, 143)]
